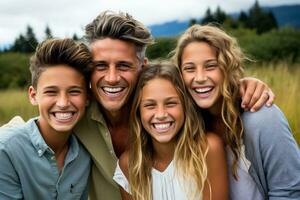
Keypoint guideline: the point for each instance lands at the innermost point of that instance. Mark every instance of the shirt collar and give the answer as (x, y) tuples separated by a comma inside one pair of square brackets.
[(36, 138), (94, 112), (41, 146)]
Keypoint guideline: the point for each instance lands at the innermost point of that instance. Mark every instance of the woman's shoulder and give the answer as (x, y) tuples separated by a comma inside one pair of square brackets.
[(215, 143), (264, 114)]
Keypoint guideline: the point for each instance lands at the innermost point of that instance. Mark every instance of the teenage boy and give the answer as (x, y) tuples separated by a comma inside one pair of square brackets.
[(41, 159)]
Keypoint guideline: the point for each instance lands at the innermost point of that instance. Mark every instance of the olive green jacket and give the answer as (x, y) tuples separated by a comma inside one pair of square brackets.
[(94, 135)]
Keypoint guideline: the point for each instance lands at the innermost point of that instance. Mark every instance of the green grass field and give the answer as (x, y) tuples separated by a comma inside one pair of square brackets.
[(284, 81)]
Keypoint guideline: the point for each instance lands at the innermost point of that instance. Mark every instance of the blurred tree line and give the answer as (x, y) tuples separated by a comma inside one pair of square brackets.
[(256, 31)]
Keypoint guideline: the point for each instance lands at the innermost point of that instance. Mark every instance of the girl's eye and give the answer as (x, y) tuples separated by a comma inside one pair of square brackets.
[(149, 106), (211, 66), (188, 68), (171, 104)]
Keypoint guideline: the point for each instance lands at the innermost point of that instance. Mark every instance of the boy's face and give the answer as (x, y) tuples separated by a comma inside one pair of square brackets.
[(61, 97), (116, 71)]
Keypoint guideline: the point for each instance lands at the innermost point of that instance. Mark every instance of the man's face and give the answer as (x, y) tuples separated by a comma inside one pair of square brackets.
[(116, 72)]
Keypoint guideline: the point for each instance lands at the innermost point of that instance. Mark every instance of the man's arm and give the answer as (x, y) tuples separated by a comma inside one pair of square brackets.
[(273, 152), (255, 94)]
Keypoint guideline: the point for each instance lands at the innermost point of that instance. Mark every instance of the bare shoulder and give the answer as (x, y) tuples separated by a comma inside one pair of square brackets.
[(124, 162), (215, 142)]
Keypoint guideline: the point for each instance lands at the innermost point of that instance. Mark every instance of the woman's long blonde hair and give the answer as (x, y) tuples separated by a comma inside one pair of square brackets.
[(230, 59), (191, 148)]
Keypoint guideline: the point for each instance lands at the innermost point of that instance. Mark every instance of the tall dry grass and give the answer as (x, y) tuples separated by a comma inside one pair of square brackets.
[(284, 80), (15, 102)]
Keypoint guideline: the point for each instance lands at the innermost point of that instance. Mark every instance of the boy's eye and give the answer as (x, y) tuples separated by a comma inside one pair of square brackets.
[(50, 92)]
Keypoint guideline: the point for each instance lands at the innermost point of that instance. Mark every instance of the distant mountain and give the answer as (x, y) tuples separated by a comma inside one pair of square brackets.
[(288, 15)]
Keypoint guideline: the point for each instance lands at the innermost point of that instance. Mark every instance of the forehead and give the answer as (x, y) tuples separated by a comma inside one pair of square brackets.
[(197, 49), (159, 88), (108, 49), (60, 75)]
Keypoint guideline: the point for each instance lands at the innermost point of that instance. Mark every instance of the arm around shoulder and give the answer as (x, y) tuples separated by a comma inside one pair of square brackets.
[(217, 169)]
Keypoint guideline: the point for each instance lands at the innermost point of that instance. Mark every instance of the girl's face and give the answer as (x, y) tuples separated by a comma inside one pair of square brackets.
[(202, 75), (161, 110)]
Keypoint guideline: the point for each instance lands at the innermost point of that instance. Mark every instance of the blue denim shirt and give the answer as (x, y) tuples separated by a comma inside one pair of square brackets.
[(28, 168)]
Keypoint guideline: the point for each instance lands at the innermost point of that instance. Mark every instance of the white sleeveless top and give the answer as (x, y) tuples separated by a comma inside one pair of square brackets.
[(245, 187), (166, 185)]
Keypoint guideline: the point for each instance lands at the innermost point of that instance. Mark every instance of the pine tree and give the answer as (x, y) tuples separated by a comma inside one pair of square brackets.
[(48, 32), (208, 17)]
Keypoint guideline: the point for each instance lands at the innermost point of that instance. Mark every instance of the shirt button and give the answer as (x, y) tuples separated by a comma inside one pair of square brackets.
[(52, 157), (40, 151), (111, 152)]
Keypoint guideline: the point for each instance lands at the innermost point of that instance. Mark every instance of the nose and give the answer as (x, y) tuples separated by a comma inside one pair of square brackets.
[(200, 75), (161, 113), (62, 101), (112, 75)]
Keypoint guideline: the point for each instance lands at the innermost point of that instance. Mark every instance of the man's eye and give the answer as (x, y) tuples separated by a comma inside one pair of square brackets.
[(100, 66), (124, 67)]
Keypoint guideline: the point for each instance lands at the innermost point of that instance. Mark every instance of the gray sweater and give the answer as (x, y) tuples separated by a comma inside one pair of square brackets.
[(273, 153)]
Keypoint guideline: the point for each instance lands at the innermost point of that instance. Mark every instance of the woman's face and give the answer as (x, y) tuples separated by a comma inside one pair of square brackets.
[(202, 75)]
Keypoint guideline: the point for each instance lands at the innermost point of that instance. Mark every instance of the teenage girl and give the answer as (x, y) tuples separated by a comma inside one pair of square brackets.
[(263, 157), (170, 156)]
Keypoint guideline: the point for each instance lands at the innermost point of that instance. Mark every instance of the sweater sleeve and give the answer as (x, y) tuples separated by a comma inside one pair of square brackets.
[(273, 152)]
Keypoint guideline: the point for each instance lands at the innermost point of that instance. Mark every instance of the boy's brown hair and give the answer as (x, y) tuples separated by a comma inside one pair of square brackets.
[(60, 51)]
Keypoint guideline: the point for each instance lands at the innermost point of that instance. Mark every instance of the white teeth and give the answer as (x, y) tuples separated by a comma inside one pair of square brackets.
[(63, 116), (162, 126), (112, 89), (202, 90)]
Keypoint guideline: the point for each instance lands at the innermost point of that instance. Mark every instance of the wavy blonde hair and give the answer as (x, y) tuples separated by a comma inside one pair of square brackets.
[(191, 148), (230, 60)]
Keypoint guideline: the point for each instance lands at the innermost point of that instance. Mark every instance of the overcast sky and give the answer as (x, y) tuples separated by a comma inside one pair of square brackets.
[(66, 17)]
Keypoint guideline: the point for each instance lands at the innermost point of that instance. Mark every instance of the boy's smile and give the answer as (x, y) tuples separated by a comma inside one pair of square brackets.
[(61, 98)]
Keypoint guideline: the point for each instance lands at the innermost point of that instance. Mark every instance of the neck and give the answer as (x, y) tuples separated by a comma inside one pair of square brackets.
[(163, 153), (57, 141), (116, 118)]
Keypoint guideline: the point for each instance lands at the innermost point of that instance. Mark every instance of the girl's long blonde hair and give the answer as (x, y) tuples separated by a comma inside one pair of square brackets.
[(191, 148), (230, 59)]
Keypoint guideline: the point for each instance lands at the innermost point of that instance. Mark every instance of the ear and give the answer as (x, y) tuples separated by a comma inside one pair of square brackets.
[(145, 61), (32, 95)]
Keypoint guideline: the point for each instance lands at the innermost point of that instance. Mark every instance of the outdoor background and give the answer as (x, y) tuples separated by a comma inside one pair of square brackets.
[(268, 31)]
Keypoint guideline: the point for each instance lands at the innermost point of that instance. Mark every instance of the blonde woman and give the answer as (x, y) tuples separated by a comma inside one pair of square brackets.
[(170, 156), (263, 157)]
